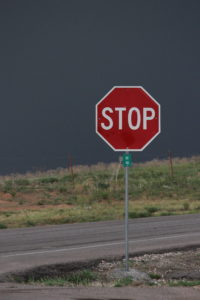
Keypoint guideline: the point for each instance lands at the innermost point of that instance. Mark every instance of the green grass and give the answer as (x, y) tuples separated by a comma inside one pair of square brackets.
[(139, 214), (124, 282), (30, 223), (97, 193), (83, 277), (184, 283), (22, 181), (186, 206), (166, 213), (61, 215), (2, 226), (151, 209), (47, 180), (154, 276), (59, 281)]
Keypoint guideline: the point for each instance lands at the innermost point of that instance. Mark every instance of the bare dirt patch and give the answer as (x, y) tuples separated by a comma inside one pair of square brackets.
[(31, 201)]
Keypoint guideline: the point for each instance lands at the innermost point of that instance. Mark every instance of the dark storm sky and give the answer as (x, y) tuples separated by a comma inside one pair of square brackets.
[(59, 58)]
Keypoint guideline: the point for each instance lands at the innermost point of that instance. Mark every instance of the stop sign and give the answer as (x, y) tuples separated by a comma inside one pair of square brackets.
[(128, 118)]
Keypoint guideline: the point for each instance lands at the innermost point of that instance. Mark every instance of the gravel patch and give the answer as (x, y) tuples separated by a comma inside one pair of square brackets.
[(132, 273)]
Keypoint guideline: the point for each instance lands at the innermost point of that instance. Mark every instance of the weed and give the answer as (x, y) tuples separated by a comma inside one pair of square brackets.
[(166, 213), (21, 201), (41, 202), (151, 209), (151, 283), (77, 278), (71, 199), (50, 188), (46, 195), (30, 223), (103, 185), (64, 178), (139, 214), (12, 193), (62, 189), (154, 276), (186, 206), (48, 180), (8, 188), (2, 226), (104, 195), (22, 181), (8, 214), (184, 283), (57, 200), (83, 277), (59, 281), (124, 281)]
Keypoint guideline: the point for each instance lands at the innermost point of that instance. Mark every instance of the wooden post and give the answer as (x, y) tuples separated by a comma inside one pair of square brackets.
[(171, 164), (71, 168)]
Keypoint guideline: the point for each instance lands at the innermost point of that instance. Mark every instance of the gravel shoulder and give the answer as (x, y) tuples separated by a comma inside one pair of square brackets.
[(164, 269)]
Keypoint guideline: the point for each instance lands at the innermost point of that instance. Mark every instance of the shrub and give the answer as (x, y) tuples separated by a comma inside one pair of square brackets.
[(8, 187), (21, 201), (103, 185), (139, 214), (8, 214), (103, 195), (154, 276), (62, 189), (2, 226), (41, 202), (30, 223), (82, 277), (151, 209), (22, 181), (186, 206), (48, 180), (166, 213)]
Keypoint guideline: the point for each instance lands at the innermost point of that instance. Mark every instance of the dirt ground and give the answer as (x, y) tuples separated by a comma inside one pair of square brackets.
[(28, 202)]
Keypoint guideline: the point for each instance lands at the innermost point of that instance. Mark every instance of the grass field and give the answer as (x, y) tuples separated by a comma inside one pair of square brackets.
[(97, 193)]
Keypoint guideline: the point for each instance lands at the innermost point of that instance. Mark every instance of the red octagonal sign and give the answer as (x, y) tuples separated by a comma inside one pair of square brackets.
[(128, 118)]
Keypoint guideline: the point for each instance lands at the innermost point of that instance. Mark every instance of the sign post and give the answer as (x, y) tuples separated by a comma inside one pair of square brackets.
[(127, 119), (127, 162), (126, 219)]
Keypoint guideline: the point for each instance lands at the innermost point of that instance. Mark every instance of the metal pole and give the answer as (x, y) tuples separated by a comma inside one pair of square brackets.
[(126, 220)]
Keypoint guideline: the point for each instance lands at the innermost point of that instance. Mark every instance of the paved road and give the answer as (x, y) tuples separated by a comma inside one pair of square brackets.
[(31, 247), (22, 249)]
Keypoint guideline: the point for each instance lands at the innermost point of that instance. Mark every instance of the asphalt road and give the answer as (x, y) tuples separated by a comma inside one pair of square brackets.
[(27, 248)]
